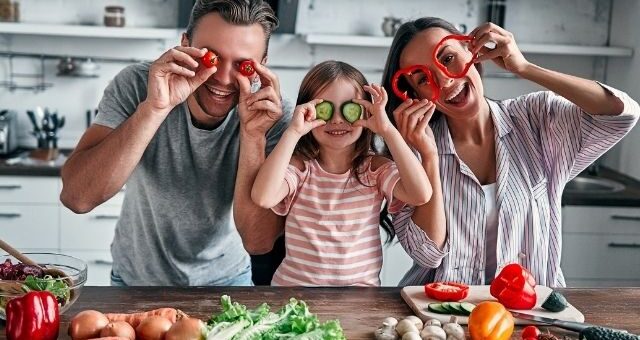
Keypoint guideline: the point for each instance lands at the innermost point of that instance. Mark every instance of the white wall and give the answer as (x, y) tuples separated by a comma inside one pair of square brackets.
[(625, 73), (542, 21)]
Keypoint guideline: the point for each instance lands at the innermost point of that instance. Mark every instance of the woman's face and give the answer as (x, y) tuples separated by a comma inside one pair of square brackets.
[(462, 97), (338, 133)]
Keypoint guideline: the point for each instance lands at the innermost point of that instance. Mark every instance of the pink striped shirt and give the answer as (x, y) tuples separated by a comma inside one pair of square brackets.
[(332, 233)]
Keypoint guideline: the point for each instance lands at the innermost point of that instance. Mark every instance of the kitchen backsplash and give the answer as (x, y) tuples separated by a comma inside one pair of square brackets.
[(581, 22)]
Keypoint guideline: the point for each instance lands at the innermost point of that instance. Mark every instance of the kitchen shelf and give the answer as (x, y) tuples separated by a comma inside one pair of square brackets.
[(548, 49), (89, 31)]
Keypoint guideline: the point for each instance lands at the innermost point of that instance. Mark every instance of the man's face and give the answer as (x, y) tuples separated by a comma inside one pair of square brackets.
[(233, 44)]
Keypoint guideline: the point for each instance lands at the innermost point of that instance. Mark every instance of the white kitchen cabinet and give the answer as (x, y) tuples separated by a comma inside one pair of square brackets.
[(98, 266), (90, 231), (601, 246), (396, 262), (29, 190), (25, 226)]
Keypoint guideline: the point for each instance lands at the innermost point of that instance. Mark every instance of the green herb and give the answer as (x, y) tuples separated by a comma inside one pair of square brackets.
[(57, 287)]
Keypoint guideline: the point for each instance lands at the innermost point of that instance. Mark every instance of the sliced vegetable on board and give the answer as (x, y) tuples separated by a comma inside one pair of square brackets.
[(555, 302), (446, 291)]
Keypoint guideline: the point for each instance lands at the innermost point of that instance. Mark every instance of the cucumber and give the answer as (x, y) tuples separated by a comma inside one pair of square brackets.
[(457, 308), (555, 302), (351, 111), (467, 307), (324, 111), (437, 308)]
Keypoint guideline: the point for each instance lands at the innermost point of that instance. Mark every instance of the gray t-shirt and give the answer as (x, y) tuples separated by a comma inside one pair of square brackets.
[(176, 226)]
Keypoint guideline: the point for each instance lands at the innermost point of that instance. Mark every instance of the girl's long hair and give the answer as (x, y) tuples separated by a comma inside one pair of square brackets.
[(318, 78)]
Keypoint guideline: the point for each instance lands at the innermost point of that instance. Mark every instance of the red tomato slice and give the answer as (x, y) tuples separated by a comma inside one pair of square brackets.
[(446, 291)]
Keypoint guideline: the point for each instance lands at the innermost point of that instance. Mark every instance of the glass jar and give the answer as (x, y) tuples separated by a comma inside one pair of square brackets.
[(114, 16), (8, 11)]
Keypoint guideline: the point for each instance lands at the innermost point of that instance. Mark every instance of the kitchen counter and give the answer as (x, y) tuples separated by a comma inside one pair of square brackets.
[(629, 197), (360, 310), (32, 167)]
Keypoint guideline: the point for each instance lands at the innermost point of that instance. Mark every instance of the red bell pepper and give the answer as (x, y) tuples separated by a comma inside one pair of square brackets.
[(514, 287), (34, 316), (444, 68), (446, 291), (409, 71)]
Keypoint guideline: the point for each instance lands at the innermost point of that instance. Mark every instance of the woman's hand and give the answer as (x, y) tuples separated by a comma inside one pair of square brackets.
[(304, 118), (506, 53), (412, 119), (378, 121)]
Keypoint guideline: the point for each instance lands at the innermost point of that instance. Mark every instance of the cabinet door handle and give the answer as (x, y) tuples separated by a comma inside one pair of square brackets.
[(624, 245), (107, 217), (102, 262), (10, 187), (625, 218), (10, 215)]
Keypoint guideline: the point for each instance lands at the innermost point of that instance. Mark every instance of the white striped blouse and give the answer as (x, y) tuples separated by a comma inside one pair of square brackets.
[(542, 141)]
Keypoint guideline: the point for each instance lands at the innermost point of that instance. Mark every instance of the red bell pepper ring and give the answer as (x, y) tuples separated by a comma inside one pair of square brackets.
[(446, 291), (33, 316), (210, 59), (514, 287), (442, 67), (409, 71), (247, 68)]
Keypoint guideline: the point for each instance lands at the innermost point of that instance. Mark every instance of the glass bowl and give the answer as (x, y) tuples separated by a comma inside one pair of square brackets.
[(74, 268)]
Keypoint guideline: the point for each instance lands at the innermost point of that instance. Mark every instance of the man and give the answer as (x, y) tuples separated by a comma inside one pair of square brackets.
[(180, 135)]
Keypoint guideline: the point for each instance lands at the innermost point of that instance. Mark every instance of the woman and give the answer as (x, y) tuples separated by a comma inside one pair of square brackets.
[(502, 164)]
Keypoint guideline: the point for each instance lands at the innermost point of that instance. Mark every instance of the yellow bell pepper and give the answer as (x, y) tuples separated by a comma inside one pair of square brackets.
[(490, 321)]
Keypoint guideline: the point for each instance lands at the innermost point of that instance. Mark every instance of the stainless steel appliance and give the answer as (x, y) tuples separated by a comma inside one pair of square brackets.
[(8, 132)]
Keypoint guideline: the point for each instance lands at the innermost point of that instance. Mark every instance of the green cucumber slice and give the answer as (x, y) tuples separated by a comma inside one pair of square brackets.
[(324, 111), (467, 307), (351, 111), (437, 308)]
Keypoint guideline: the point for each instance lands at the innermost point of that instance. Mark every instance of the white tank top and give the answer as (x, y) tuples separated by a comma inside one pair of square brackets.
[(491, 231)]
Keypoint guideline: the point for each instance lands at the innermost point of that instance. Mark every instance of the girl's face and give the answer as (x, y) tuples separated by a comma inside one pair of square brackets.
[(338, 133), (462, 97)]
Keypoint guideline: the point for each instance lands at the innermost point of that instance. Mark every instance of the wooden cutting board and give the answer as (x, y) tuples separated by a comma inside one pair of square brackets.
[(416, 299)]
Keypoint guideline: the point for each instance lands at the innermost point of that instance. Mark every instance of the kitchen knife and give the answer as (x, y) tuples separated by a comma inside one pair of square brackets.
[(575, 326)]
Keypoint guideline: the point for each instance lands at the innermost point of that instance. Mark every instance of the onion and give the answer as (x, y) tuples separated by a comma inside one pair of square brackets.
[(87, 324), (153, 328), (185, 329), (119, 328)]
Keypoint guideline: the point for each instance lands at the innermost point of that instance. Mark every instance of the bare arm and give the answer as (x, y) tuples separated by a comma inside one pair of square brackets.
[(258, 227), (586, 94), (113, 154)]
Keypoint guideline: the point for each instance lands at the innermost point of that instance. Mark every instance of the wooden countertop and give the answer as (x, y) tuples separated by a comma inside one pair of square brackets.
[(360, 310)]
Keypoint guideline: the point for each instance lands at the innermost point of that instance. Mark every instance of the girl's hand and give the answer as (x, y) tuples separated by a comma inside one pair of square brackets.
[(377, 121), (304, 118), (506, 53), (412, 118)]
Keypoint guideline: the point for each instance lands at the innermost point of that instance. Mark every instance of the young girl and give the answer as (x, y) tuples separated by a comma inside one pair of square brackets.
[(331, 186)]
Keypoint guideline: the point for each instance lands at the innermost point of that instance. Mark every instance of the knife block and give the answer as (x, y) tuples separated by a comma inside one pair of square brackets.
[(45, 154)]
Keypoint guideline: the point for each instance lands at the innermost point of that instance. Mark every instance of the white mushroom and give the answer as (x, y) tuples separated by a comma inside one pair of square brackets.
[(405, 326), (453, 329), (433, 322), (386, 332), (416, 321), (411, 336), (433, 333), (391, 321)]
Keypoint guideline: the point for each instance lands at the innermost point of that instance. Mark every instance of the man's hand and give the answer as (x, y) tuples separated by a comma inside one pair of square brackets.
[(174, 77), (261, 110)]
